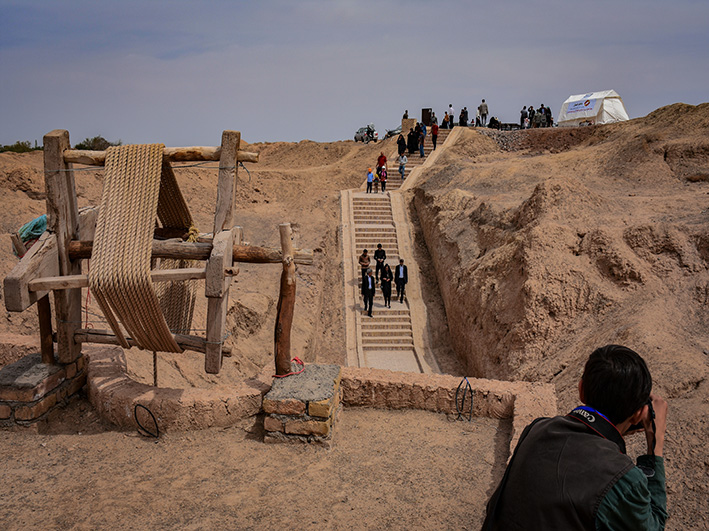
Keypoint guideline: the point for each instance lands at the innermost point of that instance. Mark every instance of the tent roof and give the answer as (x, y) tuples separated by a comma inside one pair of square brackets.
[(593, 95)]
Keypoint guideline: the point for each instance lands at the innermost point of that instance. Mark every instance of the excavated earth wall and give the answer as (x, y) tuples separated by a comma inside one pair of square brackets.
[(550, 243)]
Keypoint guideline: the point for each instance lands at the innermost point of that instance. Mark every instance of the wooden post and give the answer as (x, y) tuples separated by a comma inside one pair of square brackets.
[(18, 245), (226, 187), (46, 341), (286, 303), (63, 221), (216, 288)]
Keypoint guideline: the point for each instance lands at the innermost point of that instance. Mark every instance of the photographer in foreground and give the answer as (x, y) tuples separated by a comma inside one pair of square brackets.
[(571, 472)]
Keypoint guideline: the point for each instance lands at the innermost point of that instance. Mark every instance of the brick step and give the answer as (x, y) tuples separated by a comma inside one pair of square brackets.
[(373, 208)]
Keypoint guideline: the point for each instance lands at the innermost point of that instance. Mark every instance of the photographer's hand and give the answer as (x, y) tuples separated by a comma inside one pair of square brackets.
[(660, 406)]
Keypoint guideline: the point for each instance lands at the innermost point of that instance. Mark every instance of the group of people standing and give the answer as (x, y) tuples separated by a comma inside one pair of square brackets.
[(530, 118), (384, 274), (464, 118)]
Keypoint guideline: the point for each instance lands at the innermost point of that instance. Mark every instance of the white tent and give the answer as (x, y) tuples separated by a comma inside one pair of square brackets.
[(593, 108)]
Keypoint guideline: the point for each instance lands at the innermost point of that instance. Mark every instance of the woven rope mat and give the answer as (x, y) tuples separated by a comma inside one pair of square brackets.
[(120, 262)]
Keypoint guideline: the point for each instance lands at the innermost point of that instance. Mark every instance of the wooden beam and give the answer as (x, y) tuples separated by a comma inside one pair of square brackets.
[(286, 304), (220, 260), (171, 154), (226, 187), (41, 260), (179, 250), (63, 221), (217, 292), (46, 335), (106, 337), (82, 281), (18, 244)]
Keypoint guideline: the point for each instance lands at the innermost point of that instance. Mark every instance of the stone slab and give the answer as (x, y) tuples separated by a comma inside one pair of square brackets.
[(29, 379), (27, 372), (392, 360), (317, 382)]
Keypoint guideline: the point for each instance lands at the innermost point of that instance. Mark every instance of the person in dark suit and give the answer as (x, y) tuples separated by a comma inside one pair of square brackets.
[(369, 286), (401, 278), (379, 256), (387, 277)]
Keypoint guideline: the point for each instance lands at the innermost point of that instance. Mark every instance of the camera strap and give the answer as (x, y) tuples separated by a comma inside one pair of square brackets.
[(599, 424)]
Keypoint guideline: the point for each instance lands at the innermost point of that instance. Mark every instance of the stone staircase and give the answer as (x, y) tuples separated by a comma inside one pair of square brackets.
[(386, 338), (393, 338), (394, 181)]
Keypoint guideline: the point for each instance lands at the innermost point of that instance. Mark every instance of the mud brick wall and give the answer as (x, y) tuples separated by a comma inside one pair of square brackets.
[(30, 389)]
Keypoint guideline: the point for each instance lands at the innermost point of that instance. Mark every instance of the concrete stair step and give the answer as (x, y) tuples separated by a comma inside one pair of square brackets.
[(385, 346), (389, 318), (390, 340), (370, 198), (394, 332), (379, 326), (392, 313)]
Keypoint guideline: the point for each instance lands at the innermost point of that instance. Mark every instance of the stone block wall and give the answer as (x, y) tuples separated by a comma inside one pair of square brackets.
[(304, 407)]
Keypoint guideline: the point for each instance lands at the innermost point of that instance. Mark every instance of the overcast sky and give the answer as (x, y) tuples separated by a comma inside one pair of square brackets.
[(181, 71)]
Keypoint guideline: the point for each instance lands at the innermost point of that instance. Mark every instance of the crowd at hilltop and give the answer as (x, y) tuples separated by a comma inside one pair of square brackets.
[(529, 118)]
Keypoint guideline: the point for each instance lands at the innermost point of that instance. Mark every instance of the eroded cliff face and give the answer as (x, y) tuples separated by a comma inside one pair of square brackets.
[(567, 240)]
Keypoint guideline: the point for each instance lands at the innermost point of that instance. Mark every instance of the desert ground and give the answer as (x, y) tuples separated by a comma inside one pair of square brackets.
[(535, 247)]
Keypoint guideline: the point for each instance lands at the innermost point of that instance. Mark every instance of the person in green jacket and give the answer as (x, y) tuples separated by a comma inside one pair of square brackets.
[(572, 472)]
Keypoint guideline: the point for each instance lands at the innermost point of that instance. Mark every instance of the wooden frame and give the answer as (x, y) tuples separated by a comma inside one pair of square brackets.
[(53, 264)]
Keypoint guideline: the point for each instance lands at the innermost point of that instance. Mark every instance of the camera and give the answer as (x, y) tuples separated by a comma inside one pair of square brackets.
[(639, 425)]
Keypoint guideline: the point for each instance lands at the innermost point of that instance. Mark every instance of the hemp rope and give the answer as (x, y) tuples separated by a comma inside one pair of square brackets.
[(138, 188)]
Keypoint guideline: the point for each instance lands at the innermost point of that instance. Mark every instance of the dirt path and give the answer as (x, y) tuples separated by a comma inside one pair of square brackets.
[(388, 470)]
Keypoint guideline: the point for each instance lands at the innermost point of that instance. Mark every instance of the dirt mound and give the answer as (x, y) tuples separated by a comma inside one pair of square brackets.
[(561, 240)]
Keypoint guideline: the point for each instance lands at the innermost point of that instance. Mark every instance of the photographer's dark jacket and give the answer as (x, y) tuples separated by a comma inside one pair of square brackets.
[(565, 475)]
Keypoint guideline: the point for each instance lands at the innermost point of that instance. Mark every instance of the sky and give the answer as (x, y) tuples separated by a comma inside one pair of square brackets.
[(182, 71)]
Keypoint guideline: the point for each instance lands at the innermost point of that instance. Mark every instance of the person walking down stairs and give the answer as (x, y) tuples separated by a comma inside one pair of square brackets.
[(364, 261), (387, 277), (402, 165), (369, 286), (401, 278)]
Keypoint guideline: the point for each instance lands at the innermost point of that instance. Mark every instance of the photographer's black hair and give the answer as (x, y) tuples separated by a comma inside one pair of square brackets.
[(616, 382)]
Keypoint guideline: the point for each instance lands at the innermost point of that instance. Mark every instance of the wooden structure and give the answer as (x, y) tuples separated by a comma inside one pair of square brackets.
[(54, 263)]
